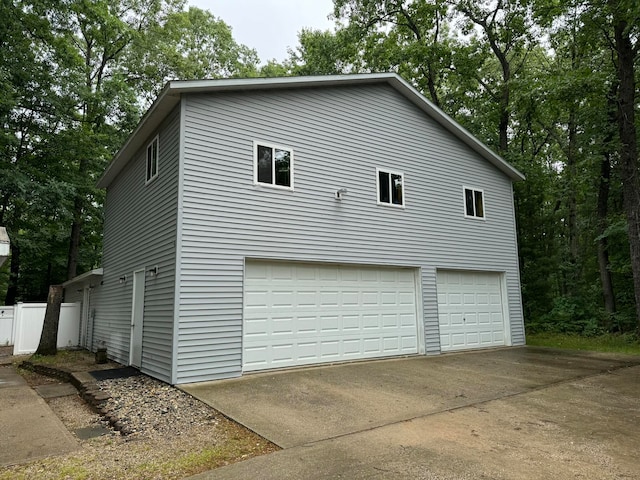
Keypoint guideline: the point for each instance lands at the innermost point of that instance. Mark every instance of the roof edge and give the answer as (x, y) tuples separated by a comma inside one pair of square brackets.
[(458, 130), (96, 272)]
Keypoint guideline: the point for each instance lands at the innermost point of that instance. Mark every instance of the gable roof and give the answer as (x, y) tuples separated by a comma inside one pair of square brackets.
[(171, 94)]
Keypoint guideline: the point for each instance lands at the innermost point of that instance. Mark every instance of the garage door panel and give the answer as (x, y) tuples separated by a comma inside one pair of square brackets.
[(454, 299), (389, 298), (326, 313), (369, 276), (329, 299), (329, 325), (350, 299), (370, 299), (282, 299), (282, 326), (370, 321), (470, 310), (305, 298), (282, 272), (389, 321), (350, 323)]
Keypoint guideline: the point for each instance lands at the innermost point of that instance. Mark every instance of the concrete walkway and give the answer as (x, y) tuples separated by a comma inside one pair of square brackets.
[(528, 413), (28, 427)]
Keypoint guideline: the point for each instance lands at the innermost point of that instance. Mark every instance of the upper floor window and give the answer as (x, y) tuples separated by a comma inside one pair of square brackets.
[(390, 187), (473, 203), (152, 160), (273, 165)]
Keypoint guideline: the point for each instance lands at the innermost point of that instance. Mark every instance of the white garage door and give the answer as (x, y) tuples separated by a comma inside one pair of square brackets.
[(300, 314), (470, 310)]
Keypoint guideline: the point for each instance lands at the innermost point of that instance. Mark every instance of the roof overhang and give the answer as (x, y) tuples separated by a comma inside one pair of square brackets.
[(173, 91), (92, 275)]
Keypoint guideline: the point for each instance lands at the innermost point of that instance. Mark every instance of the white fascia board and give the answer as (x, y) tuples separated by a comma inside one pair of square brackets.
[(97, 272)]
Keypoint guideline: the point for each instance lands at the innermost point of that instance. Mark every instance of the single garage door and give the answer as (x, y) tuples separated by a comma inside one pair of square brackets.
[(470, 310), (301, 314)]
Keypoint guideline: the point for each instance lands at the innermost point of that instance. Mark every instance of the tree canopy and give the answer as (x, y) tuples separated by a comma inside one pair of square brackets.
[(75, 76)]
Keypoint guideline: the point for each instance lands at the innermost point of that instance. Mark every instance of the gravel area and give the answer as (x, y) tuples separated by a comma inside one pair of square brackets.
[(162, 410), (165, 433)]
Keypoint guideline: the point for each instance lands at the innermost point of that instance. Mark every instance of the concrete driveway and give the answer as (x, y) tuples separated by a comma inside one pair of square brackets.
[(514, 413)]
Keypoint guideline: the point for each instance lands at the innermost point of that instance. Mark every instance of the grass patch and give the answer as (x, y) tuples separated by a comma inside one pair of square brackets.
[(71, 359), (628, 344), (61, 358)]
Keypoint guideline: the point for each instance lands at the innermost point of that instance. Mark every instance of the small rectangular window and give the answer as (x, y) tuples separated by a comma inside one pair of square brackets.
[(152, 160), (273, 165), (473, 203), (390, 188)]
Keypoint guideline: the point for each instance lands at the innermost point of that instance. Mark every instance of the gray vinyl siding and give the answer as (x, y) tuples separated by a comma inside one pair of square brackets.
[(140, 233), (74, 294), (339, 136)]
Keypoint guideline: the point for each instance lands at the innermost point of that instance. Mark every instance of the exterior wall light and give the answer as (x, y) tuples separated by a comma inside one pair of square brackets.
[(341, 193), (123, 279)]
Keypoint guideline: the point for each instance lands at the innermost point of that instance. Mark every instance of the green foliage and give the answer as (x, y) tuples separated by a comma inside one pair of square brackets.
[(626, 343), (74, 79), (535, 81), (321, 53)]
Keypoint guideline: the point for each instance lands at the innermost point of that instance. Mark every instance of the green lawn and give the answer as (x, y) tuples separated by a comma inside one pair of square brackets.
[(603, 343)]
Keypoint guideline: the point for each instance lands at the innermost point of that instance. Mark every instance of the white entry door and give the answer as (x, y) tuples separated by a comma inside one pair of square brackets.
[(137, 315), (470, 310), (301, 314)]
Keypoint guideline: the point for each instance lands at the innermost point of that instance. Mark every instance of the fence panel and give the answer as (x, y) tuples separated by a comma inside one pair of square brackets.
[(29, 318), (6, 326)]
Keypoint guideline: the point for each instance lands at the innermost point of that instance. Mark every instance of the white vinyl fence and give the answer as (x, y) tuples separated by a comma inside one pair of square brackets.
[(27, 322), (6, 326)]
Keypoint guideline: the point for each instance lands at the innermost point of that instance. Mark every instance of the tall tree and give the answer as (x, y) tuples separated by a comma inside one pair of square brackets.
[(75, 77), (409, 37), (625, 19), (506, 26)]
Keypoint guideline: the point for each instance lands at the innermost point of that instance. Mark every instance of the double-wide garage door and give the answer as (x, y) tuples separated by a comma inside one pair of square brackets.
[(301, 314), (470, 310)]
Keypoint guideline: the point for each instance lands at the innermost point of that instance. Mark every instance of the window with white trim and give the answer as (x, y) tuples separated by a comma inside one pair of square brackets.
[(390, 187), (152, 160), (272, 165), (473, 203)]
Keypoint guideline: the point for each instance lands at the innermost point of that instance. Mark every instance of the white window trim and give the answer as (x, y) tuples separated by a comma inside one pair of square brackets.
[(404, 188), (146, 165), (273, 166), (464, 203)]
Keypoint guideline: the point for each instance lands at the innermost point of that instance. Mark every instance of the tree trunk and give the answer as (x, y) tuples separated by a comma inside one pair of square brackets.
[(49, 338), (14, 273), (604, 265), (572, 203), (603, 245), (74, 240), (629, 150), (76, 226)]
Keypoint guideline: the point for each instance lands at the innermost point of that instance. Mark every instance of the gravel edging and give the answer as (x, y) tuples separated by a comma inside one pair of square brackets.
[(87, 387), (137, 405)]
